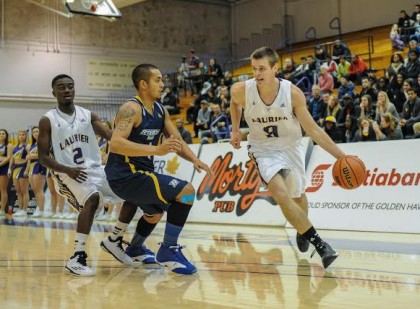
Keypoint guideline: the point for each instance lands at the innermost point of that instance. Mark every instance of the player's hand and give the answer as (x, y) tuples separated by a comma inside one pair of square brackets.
[(77, 173), (171, 144), (200, 165), (25, 174), (235, 139)]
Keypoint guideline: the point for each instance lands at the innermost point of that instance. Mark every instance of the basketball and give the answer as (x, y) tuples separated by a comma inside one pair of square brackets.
[(349, 172)]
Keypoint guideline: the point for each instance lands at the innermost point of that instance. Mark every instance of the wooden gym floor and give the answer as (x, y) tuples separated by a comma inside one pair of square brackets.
[(238, 267)]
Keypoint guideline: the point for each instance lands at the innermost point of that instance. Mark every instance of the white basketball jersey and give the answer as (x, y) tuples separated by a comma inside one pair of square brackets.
[(74, 144), (271, 127)]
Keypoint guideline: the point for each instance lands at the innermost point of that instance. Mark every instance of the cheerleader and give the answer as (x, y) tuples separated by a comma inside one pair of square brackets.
[(6, 151)]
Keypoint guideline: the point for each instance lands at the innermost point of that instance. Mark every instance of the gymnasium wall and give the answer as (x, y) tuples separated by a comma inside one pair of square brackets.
[(46, 44), (355, 15)]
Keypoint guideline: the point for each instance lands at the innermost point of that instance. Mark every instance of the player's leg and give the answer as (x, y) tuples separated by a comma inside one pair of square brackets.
[(145, 226), (302, 242), (169, 253), (113, 243), (299, 220)]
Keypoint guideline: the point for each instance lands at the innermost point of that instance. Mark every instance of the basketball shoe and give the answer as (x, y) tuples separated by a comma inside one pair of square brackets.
[(141, 254), (173, 258), (327, 254), (77, 265), (116, 250), (302, 243)]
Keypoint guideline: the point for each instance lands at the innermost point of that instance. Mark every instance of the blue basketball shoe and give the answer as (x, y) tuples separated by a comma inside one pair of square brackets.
[(173, 258), (141, 254)]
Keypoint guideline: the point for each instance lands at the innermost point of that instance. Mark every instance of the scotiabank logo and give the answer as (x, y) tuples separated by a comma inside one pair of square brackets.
[(317, 177), (244, 182), (374, 178)]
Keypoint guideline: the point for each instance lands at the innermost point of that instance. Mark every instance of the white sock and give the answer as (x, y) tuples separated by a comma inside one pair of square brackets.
[(80, 242), (118, 230)]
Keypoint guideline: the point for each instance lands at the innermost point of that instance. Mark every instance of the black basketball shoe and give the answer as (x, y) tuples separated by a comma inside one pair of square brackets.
[(302, 243)]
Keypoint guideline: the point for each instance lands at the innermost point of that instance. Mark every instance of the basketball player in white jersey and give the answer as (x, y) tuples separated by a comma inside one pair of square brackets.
[(67, 146), (274, 110)]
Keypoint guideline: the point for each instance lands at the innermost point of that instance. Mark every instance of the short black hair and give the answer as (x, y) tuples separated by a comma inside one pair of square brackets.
[(54, 81), (142, 72)]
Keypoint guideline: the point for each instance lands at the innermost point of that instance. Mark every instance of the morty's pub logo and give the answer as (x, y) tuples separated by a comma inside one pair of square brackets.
[(242, 183)]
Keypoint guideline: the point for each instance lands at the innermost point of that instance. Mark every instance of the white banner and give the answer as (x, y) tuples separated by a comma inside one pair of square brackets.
[(389, 199)]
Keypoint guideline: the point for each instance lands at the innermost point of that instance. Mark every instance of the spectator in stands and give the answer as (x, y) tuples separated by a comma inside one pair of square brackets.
[(405, 23), (397, 64), (396, 86), (387, 129), (411, 113), (367, 89), (325, 80), (330, 127), (401, 96), (223, 99), (320, 53), (333, 107), (288, 68), (316, 105), (193, 61), (343, 68), (365, 132), (332, 66), (383, 105), (314, 68), (215, 69), (203, 118), (170, 101), (416, 26), (301, 71), (416, 11), (185, 134), (383, 85), (366, 107), (325, 99), (346, 87), (371, 74), (412, 45), (395, 37), (349, 109), (340, 50), (357, 69), (412, 67), (350, 128)]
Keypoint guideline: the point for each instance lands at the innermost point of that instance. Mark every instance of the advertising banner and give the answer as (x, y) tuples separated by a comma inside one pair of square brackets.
[(388, 200), (236, 194)]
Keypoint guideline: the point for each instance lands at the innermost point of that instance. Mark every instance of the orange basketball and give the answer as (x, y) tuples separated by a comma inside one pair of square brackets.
[(349, 172)]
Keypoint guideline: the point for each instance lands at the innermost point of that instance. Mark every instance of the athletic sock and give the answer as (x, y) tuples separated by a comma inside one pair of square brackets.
[(80, 242), (143, 230), (312, 236), (118, 230), (176, 218)]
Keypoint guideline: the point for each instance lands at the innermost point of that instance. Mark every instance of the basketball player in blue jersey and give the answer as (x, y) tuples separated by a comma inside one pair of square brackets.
[(140, 125), (275, 110), (67, 145)]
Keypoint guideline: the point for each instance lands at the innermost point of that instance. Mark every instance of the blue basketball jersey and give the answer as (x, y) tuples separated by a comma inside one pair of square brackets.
[(149, 132)]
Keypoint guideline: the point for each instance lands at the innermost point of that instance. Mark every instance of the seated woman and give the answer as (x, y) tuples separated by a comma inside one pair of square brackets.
[(388, 129), (395, 37), (365, 133)]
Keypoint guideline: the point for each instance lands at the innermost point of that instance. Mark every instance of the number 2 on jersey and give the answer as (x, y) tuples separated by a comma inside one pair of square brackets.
[(271, 131), (78, 156)]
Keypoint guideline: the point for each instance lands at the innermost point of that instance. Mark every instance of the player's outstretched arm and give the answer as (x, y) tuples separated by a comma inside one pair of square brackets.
[(309, 125), (237, 103), (184, 151), (99, 128)]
